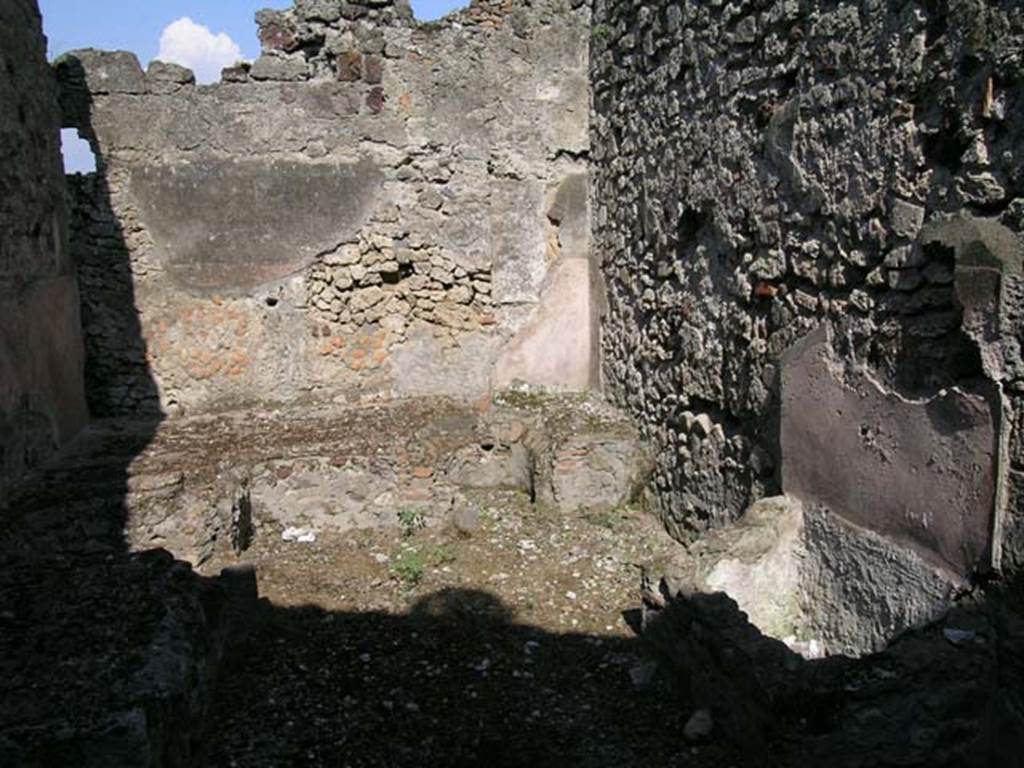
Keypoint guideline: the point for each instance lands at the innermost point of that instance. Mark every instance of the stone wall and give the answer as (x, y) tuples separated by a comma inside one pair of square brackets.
[(372, 208), (762, 167), (41, 399)]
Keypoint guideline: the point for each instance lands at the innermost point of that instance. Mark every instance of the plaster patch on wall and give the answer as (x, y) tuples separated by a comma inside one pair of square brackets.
[(237, 224), (921, 472)]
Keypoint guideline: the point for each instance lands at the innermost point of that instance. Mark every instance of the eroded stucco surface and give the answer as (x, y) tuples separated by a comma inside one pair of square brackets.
[(920, 472)]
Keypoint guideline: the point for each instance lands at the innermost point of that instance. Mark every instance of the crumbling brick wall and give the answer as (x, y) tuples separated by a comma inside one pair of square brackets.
[(761, 167), (372, 208), (41, 400)]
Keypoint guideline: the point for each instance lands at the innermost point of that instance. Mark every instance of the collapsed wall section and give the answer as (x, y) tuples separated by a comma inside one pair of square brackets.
[(763, 167), (41, 395), (372, 208)]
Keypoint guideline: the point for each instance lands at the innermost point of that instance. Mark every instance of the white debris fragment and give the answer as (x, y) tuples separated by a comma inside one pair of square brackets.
[(809, 649), (300, 535)]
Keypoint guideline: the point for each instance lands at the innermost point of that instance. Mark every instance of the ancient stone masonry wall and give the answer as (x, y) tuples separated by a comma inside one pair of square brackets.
[(372, 208), (41, 400), (765, 167)]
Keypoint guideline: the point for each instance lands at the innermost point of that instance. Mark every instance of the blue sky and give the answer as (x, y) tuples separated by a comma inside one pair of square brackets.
[(135, 25), (204, 35)]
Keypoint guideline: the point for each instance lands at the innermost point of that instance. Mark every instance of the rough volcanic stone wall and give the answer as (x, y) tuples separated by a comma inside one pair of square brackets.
[(41, 399), (761, 167), (372, 208)]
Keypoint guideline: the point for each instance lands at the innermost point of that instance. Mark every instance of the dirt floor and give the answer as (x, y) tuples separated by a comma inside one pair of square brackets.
[(510, 646)]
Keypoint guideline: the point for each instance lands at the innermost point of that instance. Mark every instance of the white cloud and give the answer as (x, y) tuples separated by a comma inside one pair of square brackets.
[(196, 47)]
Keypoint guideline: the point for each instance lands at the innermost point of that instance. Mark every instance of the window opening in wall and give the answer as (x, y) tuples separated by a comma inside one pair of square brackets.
[(432, 10), (78, 155)]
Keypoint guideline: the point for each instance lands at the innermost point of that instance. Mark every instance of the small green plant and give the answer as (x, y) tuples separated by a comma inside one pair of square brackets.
[(602, 32), (521, 398), (605, 518), (409, 567), (488, 515), (442, 555), (410, 520)]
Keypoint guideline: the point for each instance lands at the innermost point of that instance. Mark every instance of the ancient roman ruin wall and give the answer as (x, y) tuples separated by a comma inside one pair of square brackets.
[(765, 168), (373, 208), (41, 398), (809, 215)]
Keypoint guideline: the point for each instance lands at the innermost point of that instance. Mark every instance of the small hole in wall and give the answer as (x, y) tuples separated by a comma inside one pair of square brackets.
[(78, 155), (272, 301), (394, 278)]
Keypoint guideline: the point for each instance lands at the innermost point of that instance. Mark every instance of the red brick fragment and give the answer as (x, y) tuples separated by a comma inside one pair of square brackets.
[(375, 100), (350, 67)]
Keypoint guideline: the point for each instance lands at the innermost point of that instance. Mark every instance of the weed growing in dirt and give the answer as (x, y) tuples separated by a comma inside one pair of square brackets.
[(409, 567), (410, 520), (442, 555), (607, 518)]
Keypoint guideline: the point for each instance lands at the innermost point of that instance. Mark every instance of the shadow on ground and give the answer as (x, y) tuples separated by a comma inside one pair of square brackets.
[(455, 682), (948, 694)]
